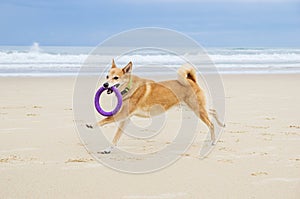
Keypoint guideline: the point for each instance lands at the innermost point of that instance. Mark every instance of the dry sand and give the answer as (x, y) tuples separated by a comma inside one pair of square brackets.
[(258, 155)]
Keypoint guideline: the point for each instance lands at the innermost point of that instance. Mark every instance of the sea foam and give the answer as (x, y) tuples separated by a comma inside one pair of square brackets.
[(41, 61)]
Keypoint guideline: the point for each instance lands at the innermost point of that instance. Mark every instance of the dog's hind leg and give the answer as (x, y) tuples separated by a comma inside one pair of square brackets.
[(213, 112), (204, 117), (200, 110)]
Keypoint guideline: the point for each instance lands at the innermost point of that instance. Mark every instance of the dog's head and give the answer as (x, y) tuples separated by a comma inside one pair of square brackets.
[(117, 76)]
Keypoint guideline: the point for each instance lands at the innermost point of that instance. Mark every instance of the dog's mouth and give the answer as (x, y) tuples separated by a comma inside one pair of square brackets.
[(110, 91)]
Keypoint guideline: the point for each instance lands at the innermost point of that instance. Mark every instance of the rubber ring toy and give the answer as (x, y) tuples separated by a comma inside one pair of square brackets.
[(97, 104)]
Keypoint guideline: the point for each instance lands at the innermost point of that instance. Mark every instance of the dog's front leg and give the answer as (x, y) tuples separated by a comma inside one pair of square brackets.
[(101, 122), (106, 121), (120, 116), (116, 137)]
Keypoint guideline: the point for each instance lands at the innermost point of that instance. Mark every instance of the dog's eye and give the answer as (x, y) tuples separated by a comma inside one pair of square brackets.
[(116, 78), (107, 77)]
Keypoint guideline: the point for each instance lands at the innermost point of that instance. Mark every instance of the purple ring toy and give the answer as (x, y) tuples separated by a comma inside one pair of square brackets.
[(97, 104)]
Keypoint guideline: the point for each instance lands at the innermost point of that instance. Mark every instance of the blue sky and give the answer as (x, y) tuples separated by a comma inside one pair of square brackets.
[(213, 23)]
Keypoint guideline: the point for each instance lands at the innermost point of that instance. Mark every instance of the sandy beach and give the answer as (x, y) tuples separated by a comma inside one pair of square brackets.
[(257, 156)]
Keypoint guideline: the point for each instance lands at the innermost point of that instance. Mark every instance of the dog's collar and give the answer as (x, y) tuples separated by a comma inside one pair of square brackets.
[(126, 90)]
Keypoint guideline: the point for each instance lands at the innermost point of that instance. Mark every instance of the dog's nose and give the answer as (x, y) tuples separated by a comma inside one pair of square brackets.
[(105, 85)]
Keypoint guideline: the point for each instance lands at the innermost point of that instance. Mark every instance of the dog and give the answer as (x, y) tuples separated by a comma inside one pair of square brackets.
[(142, 96)]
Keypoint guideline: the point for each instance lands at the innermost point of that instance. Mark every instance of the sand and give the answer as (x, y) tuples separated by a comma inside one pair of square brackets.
[(258, 155)]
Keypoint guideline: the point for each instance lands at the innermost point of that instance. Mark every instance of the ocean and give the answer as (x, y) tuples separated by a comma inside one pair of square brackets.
[(38, 60)]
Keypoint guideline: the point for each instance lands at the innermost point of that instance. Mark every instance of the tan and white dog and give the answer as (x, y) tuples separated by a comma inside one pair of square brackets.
[(142, 96)]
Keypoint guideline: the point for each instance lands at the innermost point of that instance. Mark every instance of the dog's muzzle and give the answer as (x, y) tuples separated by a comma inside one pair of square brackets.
[(109, 90)]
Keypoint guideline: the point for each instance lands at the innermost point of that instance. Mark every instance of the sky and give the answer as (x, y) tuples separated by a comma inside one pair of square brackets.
[(212, 23)]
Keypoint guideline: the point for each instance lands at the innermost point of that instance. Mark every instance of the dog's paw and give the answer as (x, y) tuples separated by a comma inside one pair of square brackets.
[(108, 150), (105, 152), (214, 142), (89, 126)]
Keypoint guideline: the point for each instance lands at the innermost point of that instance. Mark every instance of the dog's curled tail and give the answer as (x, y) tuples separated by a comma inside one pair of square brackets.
[(186, 73)]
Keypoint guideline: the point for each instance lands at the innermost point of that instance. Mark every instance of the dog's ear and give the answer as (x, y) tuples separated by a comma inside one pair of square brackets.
[(113, 65), (127, 68)]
